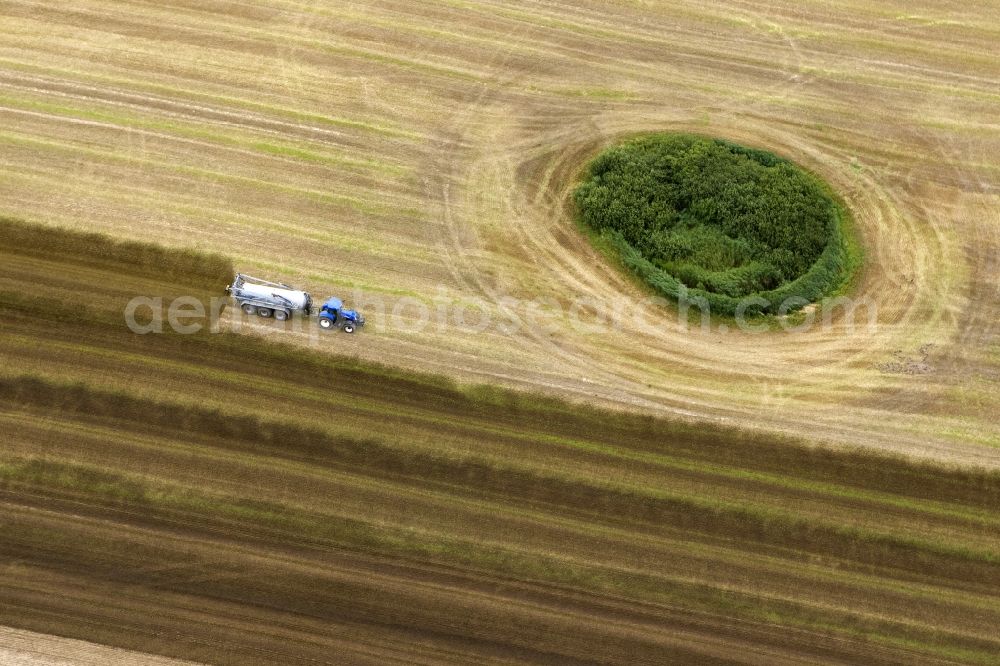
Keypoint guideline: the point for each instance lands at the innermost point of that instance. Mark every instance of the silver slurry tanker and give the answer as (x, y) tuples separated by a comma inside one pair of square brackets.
[(274, 299), (268, 299)]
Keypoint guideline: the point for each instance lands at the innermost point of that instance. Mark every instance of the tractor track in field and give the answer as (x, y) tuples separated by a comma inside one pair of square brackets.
[(461, 250), (493, 110), (432, 525), (178, 109), (565, 265)]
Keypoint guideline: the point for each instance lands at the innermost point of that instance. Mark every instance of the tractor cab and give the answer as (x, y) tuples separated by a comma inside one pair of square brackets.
[(333, 315)]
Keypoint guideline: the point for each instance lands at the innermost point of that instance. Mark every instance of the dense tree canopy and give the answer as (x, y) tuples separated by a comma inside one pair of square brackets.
[(722, 220)]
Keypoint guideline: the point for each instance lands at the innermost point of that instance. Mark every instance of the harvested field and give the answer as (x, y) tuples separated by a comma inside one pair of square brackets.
[(426, 150), (223, 499), (26, 648)]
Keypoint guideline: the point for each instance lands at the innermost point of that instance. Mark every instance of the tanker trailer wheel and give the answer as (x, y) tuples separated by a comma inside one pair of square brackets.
[(348, 328), (249, 309), (281, 315), (325, 323), (264, 312)]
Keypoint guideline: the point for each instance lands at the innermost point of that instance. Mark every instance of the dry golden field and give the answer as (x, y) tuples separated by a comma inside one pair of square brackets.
[(424, 150), (221, 499)]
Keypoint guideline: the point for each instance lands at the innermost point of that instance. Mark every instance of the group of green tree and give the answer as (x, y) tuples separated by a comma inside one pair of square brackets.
[(701, 218)]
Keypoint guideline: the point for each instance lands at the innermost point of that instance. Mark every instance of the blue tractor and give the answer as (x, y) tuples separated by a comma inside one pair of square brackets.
[(333, 315)]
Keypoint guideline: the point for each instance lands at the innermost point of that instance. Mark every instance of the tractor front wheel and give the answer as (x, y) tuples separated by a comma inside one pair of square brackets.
[(348, 328)]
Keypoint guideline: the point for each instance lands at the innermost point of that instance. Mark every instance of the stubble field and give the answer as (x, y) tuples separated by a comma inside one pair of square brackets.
[(426, 151), (401, 154)]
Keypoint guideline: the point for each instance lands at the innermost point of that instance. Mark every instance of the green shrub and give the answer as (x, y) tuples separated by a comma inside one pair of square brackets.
[(706, 220)]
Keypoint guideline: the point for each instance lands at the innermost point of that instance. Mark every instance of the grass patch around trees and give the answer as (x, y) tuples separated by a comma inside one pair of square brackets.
[(709, 222)]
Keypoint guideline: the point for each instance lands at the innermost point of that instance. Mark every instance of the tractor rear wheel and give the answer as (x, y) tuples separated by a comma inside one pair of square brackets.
[(264, 312), (325, 323)]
